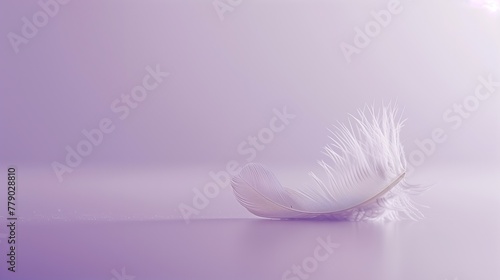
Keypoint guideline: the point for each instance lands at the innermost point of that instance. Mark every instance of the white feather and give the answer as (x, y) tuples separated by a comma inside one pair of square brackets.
[(364, 173)]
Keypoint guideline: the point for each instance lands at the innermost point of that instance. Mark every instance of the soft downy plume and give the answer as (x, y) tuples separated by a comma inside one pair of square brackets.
[(363, 177)]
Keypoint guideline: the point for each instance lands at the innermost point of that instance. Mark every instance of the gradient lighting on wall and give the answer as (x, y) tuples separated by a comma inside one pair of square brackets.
[(490, 5)]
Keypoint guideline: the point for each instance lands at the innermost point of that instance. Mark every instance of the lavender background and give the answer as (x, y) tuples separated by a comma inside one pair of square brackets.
[(226, 78)]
